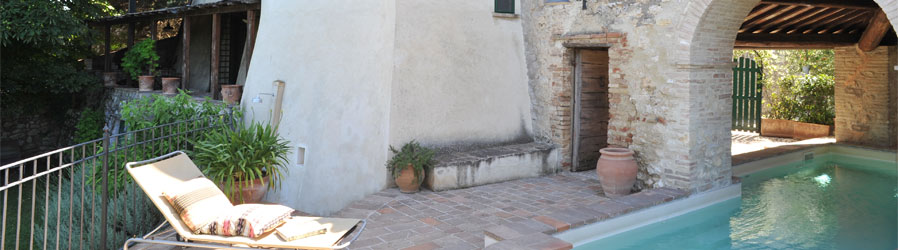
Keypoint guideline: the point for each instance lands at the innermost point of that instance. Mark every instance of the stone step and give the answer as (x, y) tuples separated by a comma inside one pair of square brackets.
[(491, 165)]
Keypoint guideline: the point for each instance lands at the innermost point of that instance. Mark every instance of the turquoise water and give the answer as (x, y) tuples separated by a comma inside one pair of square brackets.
[(831, 202)]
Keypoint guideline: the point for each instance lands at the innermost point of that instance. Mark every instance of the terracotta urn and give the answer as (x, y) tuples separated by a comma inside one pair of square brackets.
[(251, 194), (146, 83), (617, 171), (170, 85), (109, 79), (231, 93), (407, 182)]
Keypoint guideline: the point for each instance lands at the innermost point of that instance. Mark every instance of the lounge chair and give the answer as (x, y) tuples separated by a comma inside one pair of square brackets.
[(154, 175)]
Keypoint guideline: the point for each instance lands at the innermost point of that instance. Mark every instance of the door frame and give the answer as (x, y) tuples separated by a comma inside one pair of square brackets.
[(576, 102)]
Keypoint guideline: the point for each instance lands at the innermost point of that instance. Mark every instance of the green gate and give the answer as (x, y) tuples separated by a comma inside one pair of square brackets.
[(747, 95)]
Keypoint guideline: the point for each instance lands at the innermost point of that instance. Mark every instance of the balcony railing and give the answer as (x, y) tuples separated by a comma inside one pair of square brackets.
[(80, 197)]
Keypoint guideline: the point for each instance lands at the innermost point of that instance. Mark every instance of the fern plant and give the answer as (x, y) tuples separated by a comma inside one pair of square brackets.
[(141, 58), (233, 157), (412, 153)]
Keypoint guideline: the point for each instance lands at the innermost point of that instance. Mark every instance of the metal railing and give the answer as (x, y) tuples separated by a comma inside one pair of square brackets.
[(80, 197)]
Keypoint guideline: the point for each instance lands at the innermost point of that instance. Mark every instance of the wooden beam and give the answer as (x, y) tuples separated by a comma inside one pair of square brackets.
[(876, 30), (766, 18), (251, 25), (185, 51), (174, 13), (107, 59), (216, 41), (153, 29), (842, 4), (794, 41)]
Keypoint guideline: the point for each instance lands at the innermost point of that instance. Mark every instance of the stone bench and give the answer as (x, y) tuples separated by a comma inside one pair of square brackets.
[(482, 166)]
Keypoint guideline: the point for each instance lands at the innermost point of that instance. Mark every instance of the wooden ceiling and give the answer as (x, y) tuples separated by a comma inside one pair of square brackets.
[(792, 24)]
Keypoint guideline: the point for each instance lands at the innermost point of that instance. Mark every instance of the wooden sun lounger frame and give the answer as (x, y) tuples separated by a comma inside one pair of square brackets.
[(188, 239)]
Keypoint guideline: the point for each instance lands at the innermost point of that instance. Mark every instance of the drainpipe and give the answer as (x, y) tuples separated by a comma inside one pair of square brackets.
[(278, 99)]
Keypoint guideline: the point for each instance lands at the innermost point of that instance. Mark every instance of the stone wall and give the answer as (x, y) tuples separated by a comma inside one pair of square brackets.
[(893, 81), (864, 102), (31, 134), (679, 127)]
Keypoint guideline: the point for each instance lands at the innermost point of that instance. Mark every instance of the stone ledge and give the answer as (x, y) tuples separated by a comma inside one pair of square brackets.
[(505, 15), (491, 165)]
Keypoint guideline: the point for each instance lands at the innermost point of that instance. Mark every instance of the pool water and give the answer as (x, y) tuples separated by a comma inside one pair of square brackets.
[(831, 202)]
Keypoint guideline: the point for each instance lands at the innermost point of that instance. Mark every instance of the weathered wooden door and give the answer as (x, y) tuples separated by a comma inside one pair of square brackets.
[(747, 95), (591, 114)]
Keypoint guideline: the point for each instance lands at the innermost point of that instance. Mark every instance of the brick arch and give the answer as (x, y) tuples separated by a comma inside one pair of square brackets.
[(707, 32)]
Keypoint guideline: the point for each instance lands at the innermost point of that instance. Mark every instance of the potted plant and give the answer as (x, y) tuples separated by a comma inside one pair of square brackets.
[(141, 62), (408, 165), (245, 161)]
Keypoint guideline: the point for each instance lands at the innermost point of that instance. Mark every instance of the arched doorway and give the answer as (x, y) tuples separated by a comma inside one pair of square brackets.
[(709, 29)]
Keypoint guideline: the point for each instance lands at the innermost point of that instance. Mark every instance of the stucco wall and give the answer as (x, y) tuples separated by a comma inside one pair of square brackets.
[(459, 77), (336, 60)]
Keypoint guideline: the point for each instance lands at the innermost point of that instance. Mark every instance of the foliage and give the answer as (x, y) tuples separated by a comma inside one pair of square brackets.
[(805, 98), (141, 58), (412, 153), (89, 126), (128, 215), (144, 117), (243, 153), (792, 94), (158, 110), (42, 41)]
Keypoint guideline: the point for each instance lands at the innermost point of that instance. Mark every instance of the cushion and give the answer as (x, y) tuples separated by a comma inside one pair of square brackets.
[(250, 220), (197, 202)]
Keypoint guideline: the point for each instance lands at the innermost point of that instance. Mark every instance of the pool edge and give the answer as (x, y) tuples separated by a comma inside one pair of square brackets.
[(649, 215)]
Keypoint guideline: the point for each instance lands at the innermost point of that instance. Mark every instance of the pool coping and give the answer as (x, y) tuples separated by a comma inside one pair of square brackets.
[(537, 232), (749, 163)]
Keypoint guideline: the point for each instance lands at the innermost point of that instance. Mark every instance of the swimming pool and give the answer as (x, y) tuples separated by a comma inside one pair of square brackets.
[(833, 201)]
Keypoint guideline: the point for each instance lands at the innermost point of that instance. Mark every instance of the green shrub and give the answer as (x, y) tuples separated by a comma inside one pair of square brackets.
[(141, 58), (243, 153), (804, 98), (89, 126), (413, 154), (127, 215), (146, 114)]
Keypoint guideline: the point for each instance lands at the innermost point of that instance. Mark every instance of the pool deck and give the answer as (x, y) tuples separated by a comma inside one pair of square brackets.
[(519, 214)]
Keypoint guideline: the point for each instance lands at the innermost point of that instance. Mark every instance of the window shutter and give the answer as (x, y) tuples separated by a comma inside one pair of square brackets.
[(505, 6)]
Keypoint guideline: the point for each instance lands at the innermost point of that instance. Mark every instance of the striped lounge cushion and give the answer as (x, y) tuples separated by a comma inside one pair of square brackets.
[(198, 202), (250, 220)]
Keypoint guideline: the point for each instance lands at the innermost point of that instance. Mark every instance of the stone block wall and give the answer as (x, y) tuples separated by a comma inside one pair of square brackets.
[(667, 102), (893, 81), (864, 98)]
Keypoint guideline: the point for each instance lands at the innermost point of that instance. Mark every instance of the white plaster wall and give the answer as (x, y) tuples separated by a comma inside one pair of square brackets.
[(460, 75), (336, 60)]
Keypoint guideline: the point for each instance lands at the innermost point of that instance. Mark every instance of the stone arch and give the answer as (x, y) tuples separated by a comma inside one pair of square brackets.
[(707, 32)]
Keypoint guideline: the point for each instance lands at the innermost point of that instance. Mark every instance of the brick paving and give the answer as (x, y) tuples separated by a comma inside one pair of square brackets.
[(519, 213)]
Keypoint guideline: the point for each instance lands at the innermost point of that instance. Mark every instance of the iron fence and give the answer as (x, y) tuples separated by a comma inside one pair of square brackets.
[(80, 197)]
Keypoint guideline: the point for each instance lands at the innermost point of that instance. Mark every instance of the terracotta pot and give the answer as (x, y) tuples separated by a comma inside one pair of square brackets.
[(170, 85), (146, 83), (793, 129), (109, 79), (407, 182), (617, 171), (231, 93), (252, 194)]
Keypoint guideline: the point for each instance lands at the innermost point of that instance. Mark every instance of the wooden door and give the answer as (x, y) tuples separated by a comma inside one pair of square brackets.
[(590, 107)]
